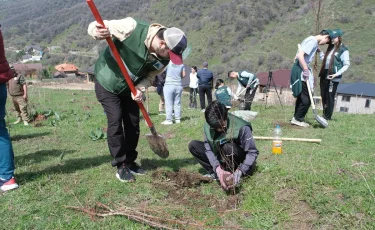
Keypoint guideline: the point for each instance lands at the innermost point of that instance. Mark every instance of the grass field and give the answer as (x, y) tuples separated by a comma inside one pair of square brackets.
[(310, 186)]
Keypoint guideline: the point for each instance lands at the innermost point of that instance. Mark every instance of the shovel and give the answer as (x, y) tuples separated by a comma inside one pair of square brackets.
[(323, 122), (157, 142)]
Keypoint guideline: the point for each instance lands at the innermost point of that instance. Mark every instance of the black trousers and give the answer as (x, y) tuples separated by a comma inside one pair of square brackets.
[(205, 90), (328, 90), (302, 104), (123, 125), (230, 158), (193, 98), (249, 97)]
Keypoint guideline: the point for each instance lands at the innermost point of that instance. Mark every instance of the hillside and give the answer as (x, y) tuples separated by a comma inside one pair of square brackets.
[(255, 35)]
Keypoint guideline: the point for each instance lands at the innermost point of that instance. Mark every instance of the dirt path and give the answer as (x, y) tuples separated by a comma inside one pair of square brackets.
[(71, 86)]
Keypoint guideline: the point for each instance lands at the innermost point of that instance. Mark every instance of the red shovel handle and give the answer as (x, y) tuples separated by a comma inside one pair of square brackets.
[(120, 63)]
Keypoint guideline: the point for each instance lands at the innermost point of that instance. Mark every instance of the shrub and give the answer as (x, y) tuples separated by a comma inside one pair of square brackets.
[(344, 19), (371, 53), (358, 60), (358, 3)]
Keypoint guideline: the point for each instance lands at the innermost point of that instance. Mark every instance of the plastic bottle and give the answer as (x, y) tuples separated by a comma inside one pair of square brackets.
[(277, 142)]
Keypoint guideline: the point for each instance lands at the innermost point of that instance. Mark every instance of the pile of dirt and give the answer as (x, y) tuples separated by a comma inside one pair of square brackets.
[(181, 178), (182, 188)]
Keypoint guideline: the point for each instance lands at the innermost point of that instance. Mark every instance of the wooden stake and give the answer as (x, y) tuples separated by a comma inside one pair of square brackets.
[(290, 139)]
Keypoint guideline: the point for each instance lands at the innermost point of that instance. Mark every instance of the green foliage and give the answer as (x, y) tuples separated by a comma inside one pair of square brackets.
[(97, 134)]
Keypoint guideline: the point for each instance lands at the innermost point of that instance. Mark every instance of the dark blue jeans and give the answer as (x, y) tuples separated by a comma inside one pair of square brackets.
[(6, 149)]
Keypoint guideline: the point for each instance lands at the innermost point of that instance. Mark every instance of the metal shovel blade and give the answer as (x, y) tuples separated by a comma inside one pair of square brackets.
[(323, 122), (158, 143)]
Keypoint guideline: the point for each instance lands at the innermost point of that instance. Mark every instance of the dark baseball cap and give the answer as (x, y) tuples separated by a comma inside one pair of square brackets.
[(177, 43)]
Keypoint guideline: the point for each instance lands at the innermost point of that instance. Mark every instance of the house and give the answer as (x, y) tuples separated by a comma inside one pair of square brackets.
[(29, 58), (67, 68), (29, 70), (356, 98), (34, 50), (281, 81)]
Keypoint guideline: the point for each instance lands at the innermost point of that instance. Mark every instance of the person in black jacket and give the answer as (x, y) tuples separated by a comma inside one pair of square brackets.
[(205, 82)]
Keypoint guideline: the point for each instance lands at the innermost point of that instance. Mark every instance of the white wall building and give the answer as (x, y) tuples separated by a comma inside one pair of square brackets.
[(356, 98)]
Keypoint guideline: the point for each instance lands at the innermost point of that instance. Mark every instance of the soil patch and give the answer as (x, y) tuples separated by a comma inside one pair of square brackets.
[(181, 178), (86, 108), (302, 216), (182, 188)]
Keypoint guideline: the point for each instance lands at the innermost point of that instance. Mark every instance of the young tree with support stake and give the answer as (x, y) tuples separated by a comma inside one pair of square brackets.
[(228, 151)]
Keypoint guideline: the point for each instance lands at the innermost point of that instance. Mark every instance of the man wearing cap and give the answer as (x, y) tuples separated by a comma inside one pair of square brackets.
[(335, 62), (205, 82), (146, 50), (7, 181), (17, 89), (302, 72)]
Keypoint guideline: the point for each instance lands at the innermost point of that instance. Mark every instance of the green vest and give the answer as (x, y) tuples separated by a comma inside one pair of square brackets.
[(223, 96), (242, 80), (337, 62), (136, 57), (233, 129)]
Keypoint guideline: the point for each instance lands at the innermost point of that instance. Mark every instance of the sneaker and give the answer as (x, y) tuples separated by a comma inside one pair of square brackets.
[(213, 176), (136, 169), (8, 185), (161, 113), (25, 123), (203, 110), (299, 123), (18, 121), (124, 174), (178, 121), (166, 122)]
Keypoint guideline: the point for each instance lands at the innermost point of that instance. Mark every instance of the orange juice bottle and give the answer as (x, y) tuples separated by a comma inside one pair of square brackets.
[(277, 142)]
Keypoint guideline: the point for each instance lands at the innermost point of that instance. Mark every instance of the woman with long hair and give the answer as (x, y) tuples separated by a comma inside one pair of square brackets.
[(193, 85), (335, 62)]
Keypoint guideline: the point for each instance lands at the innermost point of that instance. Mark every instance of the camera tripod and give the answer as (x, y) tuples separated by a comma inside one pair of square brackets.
[(267, 89)]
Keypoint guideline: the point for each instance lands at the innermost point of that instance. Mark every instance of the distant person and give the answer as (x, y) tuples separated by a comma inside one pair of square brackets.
[(302, 72), (159, 84), (228, 149), (335, 62), (205, 83), (224, 94), (7, 181), (249, 81), (17, 89), (172, 92), (193, 85), (146, 50)]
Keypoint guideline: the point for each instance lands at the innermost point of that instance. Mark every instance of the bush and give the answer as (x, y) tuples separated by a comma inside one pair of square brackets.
[(344, 19), (358, 60), (371, 53), (358, 3), (260, 60)]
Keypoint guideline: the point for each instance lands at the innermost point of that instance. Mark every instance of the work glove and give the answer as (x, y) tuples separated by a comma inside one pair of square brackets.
[(222, 175), (306, 74), (237, 177)]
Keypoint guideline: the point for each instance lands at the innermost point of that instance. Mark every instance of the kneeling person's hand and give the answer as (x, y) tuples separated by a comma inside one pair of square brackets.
[(222, 174)]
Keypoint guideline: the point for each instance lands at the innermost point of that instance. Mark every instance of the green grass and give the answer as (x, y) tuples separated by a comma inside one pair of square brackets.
[(318, 185)]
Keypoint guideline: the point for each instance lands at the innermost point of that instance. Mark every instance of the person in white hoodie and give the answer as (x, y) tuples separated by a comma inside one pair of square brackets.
[(193, 85)]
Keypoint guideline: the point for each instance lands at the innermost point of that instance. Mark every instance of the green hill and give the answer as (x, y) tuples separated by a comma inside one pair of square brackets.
[(256, 35)]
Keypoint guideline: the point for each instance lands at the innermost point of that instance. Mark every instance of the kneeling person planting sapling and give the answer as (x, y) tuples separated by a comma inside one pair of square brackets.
[(228, 151)]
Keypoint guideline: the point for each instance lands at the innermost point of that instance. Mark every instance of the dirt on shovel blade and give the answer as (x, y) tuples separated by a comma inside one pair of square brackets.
[(158, 145)]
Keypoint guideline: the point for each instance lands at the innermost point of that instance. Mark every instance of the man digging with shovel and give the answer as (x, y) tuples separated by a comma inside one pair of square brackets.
[(228, 151), (146, 51)]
